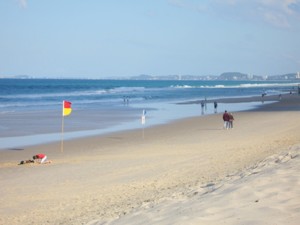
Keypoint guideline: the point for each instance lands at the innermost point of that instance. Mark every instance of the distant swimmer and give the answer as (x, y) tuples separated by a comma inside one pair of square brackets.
[(262, 97)]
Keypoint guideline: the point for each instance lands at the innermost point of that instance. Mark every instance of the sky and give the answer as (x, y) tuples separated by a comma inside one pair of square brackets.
[(101, 39)]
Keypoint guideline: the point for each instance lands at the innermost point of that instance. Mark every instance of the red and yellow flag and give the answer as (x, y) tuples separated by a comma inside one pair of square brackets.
[(67, 108)]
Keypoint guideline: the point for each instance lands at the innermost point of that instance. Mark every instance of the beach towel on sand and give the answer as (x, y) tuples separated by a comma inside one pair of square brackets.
[(26, 162)]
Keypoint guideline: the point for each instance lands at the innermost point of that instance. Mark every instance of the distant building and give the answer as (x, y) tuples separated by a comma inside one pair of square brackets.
[(250, 77)]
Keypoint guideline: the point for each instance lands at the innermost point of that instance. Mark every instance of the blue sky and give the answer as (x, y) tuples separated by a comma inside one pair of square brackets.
[(100, 39)]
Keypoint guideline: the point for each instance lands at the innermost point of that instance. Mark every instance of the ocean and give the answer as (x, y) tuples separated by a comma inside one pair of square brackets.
[(31, 109)]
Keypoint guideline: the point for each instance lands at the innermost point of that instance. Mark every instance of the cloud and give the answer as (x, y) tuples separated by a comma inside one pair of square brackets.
[(23, 3), (278, 13), (178, 3), (292, 58), (188, 4), (276, 19)]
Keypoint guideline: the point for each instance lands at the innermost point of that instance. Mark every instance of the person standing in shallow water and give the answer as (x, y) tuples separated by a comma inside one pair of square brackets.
[(226, 119), (202, 107), (215, 106)]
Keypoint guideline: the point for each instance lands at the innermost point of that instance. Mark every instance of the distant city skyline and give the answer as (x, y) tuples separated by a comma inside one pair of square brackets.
[(100, 39)]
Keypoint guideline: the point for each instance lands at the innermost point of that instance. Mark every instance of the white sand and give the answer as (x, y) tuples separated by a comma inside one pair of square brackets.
[(267, 193)]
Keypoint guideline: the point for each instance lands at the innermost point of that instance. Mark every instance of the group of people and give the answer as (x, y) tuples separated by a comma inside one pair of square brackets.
[(203, 104), (227, 117), (228, 120)]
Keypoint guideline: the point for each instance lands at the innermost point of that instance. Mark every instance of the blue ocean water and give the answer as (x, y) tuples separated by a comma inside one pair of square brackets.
[(30, 109), (45, 94)]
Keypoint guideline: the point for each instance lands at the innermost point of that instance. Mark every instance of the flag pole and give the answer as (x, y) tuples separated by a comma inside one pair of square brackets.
[(66, 110), (62, 134)]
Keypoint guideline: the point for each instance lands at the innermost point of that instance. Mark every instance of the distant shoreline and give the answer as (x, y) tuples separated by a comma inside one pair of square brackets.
[(266, 98), (226, 76), (72, 131)]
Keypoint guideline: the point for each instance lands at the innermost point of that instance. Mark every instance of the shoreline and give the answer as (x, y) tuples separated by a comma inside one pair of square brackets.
[(101, 178), (38, 130)]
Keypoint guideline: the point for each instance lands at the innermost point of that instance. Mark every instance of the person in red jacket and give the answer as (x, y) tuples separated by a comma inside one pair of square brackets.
[(226, 119), (41, 158)]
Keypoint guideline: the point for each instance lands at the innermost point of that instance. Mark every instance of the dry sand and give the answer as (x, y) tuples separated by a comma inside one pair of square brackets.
[(187, 172), (267, 193)]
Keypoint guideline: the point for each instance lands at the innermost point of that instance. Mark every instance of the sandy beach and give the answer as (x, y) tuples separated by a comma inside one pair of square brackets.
[(191, 171)]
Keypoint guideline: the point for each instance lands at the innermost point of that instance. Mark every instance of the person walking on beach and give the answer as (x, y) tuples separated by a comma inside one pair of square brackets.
[(202, 107), (215, 106), (231, 120), (40, 158), (226, 119)]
